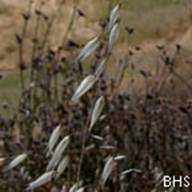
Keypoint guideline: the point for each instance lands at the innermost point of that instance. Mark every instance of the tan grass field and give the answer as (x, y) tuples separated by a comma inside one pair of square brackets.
[(167, 23), (161, 23)]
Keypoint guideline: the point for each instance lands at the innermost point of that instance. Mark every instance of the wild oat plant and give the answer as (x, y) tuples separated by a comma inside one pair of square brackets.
[(77, 133)]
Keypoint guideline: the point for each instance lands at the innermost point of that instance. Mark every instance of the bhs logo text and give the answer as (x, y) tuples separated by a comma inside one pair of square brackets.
[(176, 181)]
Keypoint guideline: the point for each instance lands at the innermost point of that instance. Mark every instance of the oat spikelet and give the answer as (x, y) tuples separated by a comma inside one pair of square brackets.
[(100, 68), (119, 157), (74, 188), (2, 160), (107, 170), (97, 137), (53, 139), (62, 166), (80, 189), (114, 16), (85, 85), (57, 155), (130, 171), (15, 162), (97, 110), (43, 179), (113, 36), (88, 49)]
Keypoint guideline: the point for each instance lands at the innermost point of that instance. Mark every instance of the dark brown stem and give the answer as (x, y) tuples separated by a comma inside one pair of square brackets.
[(72, 20), (50, 25), (85, 134), (23, 34)]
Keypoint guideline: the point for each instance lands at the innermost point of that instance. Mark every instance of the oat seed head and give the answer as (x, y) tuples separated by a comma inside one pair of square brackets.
[(84, 86)]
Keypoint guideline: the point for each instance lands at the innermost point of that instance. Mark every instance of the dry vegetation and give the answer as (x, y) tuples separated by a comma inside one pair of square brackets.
[(91, 113)]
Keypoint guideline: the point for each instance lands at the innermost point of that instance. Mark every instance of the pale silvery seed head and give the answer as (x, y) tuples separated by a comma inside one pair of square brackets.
[(15, 162), (90, 147), (80, 189), (119, 157), (107, 170), (58, 153), (85, 85), (62, 166), (74, 187), (100, 68), (130, 171), (97, 137), (43, 179), (97, 110), (114, 16), (88, 49), (107, 147), (64, 188), (2, 160), (113, 36), (54, 138), (102, 117)]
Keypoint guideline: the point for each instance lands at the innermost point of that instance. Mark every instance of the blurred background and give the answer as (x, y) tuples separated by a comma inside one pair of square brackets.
[(154, 21), (145, 25)]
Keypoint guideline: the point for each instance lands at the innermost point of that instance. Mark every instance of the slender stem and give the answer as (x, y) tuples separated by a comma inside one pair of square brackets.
[(33, 55), (23, 34), (182, 80), (122, 73), (71, 22), (35, 41), (50, 25), (85, 133)]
